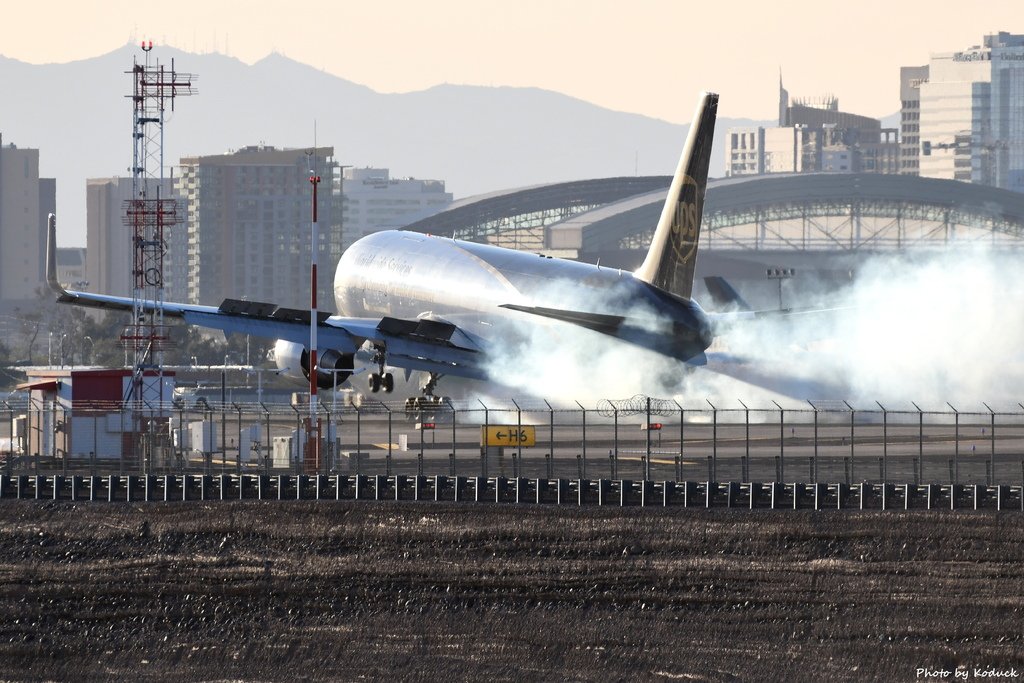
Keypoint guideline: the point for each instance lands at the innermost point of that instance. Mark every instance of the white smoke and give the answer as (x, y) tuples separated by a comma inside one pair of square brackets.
[(565, 363), (930, 326), (918, 326)]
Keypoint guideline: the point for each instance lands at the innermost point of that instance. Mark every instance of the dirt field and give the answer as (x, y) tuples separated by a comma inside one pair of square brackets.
[(357, 591)]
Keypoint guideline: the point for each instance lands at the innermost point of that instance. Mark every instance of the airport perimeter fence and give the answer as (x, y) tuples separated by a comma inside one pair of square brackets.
[(638, 439)]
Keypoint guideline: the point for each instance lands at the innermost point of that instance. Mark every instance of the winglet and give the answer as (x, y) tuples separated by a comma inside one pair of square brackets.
[(51, 257), (672, 258)]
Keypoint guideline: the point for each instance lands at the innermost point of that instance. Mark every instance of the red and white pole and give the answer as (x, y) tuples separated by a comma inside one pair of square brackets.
[(314, 422)]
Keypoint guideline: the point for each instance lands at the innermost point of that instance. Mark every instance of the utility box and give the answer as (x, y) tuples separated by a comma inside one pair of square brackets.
[(249, 445), (182, 438), (203, 436), (282, 451)]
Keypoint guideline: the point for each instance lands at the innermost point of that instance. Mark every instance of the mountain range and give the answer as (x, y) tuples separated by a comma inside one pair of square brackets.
[(477, 139)]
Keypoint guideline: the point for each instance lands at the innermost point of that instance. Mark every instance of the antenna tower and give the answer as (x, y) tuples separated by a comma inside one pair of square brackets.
[(148, 214)]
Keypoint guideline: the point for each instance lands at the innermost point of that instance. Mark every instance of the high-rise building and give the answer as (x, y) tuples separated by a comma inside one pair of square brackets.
[(813, 136), (375, 201), (972, 114), (248, 228), (911, 78), (25, 201), (109, 239)]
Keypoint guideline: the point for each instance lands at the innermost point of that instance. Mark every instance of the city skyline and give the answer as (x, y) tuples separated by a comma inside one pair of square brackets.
[(625, 57)]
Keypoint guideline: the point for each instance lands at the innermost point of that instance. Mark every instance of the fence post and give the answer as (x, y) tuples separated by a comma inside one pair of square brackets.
[(780, 462), (714, 441), (551, 436), (615, 441), (682, 433), (884, 461), (583, 412), (390, 445), (920, 440), (992, 442), (852, 475), (268, 441), (454, 441), (519, 427), (814, 467), (746, 441), (956, 442), (647, 442)]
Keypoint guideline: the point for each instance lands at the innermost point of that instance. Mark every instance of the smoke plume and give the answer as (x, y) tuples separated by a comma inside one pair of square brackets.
[(925, 326)]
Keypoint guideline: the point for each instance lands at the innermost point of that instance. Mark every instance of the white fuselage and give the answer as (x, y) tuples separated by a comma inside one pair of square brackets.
[(409, 275)]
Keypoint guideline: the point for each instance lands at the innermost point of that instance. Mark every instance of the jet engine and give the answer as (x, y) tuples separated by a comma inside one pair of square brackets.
[(333, 368)]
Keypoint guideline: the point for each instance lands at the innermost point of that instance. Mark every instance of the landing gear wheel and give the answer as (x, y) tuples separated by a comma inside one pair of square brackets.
[(388, 382), (374, 382)]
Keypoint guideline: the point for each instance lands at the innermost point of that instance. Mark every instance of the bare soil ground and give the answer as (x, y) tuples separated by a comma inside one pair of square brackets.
[(424, 592)]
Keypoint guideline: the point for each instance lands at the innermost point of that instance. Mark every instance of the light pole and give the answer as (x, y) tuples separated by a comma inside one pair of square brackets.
[(780, 274), (223, 414)]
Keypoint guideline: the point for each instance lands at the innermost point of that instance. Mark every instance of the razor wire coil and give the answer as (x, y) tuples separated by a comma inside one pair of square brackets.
[(637, 405)]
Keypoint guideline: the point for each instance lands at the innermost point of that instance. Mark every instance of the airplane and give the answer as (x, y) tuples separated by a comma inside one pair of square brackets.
[(418, 302)]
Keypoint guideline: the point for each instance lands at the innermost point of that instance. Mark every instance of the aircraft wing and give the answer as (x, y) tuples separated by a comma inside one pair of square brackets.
[(428, 345)]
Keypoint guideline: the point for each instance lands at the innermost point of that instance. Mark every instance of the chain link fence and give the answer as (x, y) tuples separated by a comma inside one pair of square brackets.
[(640, 438)]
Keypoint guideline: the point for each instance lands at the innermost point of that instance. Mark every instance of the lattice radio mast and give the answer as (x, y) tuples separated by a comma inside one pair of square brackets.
[(148, 215)]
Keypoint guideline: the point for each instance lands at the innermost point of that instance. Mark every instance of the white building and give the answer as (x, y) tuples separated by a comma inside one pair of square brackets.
[(911, 79), (972, 114), (374, 201)]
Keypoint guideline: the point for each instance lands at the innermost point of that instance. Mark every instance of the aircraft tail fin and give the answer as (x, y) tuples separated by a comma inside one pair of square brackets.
[(672, 258)]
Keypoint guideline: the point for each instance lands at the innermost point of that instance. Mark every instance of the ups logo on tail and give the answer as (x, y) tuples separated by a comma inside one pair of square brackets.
[(686, 222)]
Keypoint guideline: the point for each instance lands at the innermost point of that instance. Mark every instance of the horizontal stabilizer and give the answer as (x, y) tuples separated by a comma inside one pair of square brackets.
[(724, 294), (599, 322)]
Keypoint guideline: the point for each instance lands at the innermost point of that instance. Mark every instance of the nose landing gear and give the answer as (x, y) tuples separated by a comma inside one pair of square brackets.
[(385, 381)]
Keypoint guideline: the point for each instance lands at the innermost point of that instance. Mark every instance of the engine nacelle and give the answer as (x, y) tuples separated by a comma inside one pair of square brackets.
[(293, 361)]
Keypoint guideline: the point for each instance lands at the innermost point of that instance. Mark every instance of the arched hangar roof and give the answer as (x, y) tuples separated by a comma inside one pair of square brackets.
[(600, 214), (466, 217)]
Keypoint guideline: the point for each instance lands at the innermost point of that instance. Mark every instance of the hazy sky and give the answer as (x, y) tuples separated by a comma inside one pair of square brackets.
[(643, 56)]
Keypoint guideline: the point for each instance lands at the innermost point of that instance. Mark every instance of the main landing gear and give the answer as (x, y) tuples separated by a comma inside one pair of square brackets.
[(428, 400), (381, 380)]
